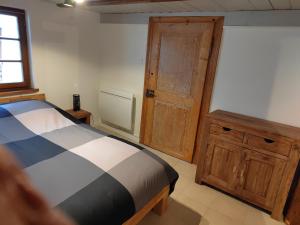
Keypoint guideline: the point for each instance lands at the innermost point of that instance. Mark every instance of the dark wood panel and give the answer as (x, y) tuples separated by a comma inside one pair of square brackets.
[(222, 164), (274, 144), (293, 206), (260, 178), (82, 115), (270, 155), (265, 127), (174, 120), (227, 132)]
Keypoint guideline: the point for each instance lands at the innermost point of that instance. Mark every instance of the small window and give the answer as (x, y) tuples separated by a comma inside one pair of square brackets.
[(14, 63)]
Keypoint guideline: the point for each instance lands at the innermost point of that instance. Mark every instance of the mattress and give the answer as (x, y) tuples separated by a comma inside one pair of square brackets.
[(93, 177)]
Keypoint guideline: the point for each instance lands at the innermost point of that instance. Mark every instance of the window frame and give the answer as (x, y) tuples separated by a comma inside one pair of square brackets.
[(22, 26)]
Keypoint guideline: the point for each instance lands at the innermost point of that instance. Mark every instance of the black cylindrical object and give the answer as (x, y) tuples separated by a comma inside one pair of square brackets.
[(76, 102)]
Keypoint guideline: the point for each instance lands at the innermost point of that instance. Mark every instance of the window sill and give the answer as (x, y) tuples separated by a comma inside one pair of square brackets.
[(18, 92)]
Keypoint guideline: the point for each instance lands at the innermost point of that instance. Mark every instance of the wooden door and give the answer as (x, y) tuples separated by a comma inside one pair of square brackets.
[(222, 164), (178, 53), (260, 178)]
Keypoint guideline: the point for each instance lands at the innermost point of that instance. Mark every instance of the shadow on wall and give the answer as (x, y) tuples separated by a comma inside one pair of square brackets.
[(284, 106), (250, 63), (65, 56)]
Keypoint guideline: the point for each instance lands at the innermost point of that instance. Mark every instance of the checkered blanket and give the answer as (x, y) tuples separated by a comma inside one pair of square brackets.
[(95, 178)]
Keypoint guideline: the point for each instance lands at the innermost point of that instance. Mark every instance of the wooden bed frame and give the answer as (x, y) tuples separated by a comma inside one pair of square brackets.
[(40, 97), (158, 204)]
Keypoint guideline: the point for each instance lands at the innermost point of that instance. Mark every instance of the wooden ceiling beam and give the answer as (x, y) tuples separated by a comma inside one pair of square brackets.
[(124, 2)]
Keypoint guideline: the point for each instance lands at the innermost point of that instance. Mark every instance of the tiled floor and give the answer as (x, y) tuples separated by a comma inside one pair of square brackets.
[(193, 204)]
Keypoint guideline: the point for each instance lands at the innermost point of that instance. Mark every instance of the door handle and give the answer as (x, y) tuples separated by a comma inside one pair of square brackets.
[(150, 93)]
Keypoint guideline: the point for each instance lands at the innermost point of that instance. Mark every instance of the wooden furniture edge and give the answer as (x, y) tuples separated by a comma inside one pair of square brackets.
[(144, 105), (159, 204), (19, 92), (81, 114), (202, 152), (292, 207), (267, 126), (285, 184), (41, 97), (127, 2), (81, 111), (181, 19), (208, 85)]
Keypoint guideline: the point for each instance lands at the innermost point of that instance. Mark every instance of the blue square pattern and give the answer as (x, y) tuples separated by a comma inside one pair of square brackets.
[(12, 130), (4, 113), (25, 106), (34, 150)]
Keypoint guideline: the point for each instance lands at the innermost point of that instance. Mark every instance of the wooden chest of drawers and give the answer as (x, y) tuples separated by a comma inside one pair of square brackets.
[(293, 205), (250, 158)]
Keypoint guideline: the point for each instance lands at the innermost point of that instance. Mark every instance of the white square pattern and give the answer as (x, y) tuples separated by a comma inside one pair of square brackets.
[(43, 120), (105, 152)]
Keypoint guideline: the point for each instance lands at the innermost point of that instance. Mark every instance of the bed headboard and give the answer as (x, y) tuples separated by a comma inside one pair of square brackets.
[(40, 97)]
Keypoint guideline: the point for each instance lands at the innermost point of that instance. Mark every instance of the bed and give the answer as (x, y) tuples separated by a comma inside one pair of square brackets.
[(93, 177)]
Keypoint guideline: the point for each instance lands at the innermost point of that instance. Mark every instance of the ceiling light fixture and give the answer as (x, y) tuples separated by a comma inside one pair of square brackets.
[(79, 1), (67, 4)]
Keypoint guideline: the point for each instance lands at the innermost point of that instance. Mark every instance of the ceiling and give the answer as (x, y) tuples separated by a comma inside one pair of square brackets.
[(197, 5)]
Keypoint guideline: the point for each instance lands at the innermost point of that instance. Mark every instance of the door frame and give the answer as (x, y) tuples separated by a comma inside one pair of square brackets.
[(210, 72)]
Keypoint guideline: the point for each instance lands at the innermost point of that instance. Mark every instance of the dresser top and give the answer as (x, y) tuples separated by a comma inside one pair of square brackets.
[(256, 123)]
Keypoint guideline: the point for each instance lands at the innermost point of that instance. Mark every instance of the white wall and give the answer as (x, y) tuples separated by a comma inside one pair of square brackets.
[(122, 61), (65, 52), (258, 72)]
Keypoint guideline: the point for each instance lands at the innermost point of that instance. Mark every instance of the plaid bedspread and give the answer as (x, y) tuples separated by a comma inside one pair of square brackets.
[(95, 178)]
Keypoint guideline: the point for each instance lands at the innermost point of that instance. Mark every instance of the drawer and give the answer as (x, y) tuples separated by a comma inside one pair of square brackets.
[(277, 145), (226, 132)]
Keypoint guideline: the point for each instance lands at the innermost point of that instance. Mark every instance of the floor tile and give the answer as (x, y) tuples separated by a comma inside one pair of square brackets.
[(177, 214), (213, 217), (257, 217), (201, 193), (186, 170), (191, 204), (231, 207), (182, 184)]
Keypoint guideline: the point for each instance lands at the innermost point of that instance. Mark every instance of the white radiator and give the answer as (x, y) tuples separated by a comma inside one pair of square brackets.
[(116, 108)]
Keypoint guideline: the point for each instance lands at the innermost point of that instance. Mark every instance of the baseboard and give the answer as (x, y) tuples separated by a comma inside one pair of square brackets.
[(117, 132)]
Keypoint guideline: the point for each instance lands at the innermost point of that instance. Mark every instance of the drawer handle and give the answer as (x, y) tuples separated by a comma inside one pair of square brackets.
[(227, 129), (269, 141)]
